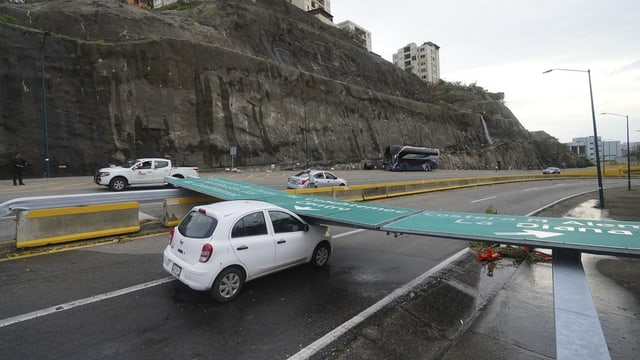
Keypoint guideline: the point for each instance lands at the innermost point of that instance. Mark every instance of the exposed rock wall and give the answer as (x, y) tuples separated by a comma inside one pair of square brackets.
[(122, 82)]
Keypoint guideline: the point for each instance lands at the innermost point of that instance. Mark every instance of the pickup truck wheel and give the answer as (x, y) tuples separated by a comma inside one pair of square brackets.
[(118, 184)]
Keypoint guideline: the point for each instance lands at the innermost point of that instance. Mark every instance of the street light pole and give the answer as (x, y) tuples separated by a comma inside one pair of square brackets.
[(306, 135), (595, 133), (44, 107), (628, 149)]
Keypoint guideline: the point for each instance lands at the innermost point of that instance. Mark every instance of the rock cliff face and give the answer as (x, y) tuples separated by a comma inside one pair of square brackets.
[(189, 84)]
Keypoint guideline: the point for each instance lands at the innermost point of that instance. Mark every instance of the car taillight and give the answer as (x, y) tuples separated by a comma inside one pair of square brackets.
[(304, 181), (205, 254), (171, 232)]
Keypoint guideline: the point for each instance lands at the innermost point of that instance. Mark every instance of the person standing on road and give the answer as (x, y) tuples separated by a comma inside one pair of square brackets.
[(17, 164)]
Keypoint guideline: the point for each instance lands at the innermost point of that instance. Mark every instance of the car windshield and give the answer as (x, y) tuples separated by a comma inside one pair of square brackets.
[(197, 225)]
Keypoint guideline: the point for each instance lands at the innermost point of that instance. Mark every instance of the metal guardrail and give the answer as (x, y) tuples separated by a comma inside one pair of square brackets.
[(10, 207)]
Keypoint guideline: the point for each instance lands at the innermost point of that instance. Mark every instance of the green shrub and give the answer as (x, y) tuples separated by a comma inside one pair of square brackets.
[(6, 19)]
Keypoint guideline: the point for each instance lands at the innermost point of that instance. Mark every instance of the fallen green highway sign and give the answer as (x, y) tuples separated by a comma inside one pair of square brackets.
[(596, 236)]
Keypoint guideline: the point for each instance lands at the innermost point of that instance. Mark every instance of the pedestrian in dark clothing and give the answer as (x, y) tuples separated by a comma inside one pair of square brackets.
[(17, 164)]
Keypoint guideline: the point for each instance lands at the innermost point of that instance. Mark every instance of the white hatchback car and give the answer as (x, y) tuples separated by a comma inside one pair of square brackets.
[(313, 179), (220, 246)]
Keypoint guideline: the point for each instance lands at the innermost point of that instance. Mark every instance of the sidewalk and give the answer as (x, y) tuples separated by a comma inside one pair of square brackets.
[(505, 310)]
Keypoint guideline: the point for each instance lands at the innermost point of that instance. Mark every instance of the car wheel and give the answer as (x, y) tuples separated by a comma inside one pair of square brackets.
[(320, 255), (118, 184), (227, 285)]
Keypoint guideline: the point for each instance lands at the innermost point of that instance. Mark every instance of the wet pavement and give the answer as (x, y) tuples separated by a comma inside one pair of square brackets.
[(504, 310)]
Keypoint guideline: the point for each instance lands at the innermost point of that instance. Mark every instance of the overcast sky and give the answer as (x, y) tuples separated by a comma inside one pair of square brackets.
[(505, 45)]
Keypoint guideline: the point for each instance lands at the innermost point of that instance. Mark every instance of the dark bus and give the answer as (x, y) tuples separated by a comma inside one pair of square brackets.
[(410, 158)]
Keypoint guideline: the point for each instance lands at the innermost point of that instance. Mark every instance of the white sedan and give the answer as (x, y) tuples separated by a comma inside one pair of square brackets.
[(220, 246), (313, 179)]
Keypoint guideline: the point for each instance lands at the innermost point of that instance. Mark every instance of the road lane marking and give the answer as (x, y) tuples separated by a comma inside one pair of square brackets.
[(108, 295), (85, 301), (484, 199), (346, 326), (530, 189)]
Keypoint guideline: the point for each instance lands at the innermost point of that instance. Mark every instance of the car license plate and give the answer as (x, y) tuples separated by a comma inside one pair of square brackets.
[(176, 270)]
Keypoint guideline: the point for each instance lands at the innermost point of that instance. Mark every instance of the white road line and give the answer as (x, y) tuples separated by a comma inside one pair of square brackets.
[(529, 189), (107, 295), (85, 301), (343, 328), (347, 233), (483, 199)]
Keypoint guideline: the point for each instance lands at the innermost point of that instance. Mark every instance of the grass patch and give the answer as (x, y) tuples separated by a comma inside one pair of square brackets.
[(6, 19)]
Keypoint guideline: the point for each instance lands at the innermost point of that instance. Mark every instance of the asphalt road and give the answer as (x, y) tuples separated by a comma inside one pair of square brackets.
[(115, 301)]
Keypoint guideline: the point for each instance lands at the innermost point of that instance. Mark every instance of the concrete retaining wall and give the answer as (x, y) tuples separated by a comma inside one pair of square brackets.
[(59, 225)]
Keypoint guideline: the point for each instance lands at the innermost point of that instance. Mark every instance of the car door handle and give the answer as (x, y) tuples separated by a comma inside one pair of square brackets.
[(243, 247), (281, 241)]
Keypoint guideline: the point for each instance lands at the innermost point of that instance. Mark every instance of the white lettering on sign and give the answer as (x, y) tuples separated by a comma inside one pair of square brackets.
[(343, 205), (466, 221), (309, 205), (471, 217), (591, 223), (581, 229), (538, 225)]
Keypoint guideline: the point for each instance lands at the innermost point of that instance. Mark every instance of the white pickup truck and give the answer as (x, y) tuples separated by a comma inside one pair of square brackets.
[(141, 172)]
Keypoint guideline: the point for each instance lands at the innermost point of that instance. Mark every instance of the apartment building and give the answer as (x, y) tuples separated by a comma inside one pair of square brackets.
[(359, 34), (321, 9), (423, 61)]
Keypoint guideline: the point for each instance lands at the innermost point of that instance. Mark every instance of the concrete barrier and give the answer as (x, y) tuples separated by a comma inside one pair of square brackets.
[(387, 190), (59, 225), (176, 208)]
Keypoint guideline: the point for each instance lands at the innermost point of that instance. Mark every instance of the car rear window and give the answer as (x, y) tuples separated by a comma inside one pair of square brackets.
[(197, 225)]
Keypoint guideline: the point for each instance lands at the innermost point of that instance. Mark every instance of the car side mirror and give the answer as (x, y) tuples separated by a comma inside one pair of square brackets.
[(306, 227)]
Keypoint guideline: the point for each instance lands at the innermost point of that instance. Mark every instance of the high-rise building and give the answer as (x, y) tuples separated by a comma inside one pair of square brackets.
[(357, 33), (422, 61)]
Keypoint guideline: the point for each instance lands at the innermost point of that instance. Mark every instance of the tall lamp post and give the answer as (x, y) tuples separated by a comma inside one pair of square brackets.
[(595, 132), (628, 149), (306, 135), (44, 107)]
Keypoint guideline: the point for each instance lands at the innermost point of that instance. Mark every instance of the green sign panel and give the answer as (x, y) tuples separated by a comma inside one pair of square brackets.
[(599, 236), (603, 236), (226, 189)]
